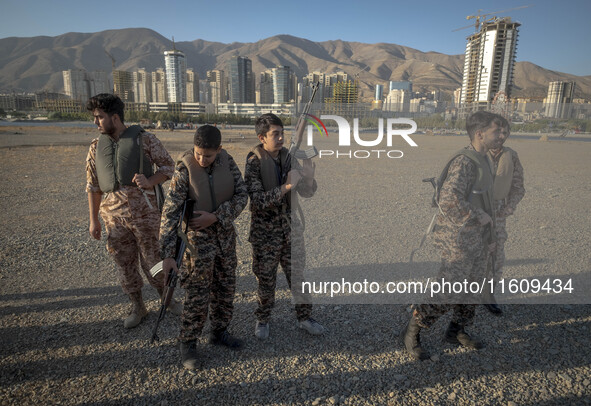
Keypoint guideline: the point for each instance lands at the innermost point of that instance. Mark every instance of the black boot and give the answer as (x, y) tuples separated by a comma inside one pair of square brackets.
[(189, 354), (491, 304), (412, 341), (222, 337), (455, 334), (494, 309)]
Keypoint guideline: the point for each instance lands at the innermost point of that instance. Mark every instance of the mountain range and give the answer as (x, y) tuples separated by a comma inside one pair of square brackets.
[(36, 63)]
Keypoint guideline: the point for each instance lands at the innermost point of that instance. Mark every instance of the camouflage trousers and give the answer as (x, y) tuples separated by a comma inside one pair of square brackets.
[(502, 235), (132, 242), (209, 281), (456, 265), (267, 255)]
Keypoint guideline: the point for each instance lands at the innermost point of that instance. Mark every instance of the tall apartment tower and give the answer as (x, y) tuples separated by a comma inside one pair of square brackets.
[(488, 66), (398, 100), (218, 91), (192, 86), (176, 73), (82, 85), (241, 80), (379, 94), (266, 88), (159, 86), (559, 99), (400, 85), (283, 91), (142, 86), (123, 85), (307, 82)]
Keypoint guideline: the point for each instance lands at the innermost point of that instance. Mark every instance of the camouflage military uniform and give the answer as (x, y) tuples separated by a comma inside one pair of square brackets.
[(210, 278), (462, 241), (274, 235), (131, 225), (506, 207)]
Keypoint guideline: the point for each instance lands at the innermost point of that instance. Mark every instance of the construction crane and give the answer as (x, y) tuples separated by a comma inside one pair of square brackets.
[(112, 68), (482, 18)]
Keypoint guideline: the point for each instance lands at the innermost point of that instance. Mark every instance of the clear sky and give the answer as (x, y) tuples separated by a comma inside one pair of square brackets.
[(554, 34)]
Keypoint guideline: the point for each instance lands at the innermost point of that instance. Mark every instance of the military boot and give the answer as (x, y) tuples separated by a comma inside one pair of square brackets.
[(138, 310), (189, 353), (174, 307), (223, 337), (411, 339), (455, 334), (491, 305)]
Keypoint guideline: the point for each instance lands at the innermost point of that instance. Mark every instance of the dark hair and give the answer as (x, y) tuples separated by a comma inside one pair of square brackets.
[(265, 121), (481, 120), (109, 103), (207, 137)]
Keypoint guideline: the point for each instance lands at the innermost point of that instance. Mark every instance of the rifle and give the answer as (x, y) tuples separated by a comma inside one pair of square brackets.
[(296, 140), (181, 245)]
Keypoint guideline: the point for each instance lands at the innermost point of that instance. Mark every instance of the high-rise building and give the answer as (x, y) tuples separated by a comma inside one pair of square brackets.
[(266, 87), (192, 86), (241, 80), (159, 86), (379, 92), (218, 92), (457, 97), (176, 72), (123, 85), (559, 100), (82, 85), (397, 100), (282, 84), (142, 86), (489, 61), (400, 85), (306, 90)]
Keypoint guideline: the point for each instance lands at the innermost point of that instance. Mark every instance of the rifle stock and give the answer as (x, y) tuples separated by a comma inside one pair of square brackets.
[(173, 277)]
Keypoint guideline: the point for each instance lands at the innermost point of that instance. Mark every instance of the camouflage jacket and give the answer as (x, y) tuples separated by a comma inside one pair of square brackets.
[(119, 202), (270, 213), (457, 222), (226, 213)]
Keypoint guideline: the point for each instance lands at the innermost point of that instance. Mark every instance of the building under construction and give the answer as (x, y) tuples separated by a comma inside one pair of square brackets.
[(123, 85), (489, 62)]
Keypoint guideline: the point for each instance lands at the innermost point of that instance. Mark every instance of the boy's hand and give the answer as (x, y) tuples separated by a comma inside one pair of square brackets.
[(95, 229), (141, 180), (293, 178), (308, 169), (168, 264), (201, 220)]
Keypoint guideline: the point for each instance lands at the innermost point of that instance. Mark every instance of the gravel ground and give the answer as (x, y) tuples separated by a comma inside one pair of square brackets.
[(61, 306)]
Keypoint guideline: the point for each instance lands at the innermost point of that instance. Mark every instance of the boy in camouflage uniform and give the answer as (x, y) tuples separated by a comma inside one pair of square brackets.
[(208, 175), (507, 193), (125, 197), (275, 233), (462, 232)]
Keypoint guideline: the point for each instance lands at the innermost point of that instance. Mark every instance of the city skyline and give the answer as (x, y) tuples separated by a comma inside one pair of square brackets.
[(550, 36)]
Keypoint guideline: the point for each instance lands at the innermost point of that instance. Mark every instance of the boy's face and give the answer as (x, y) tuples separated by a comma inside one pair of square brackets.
[(205, 156), (273, 139), (104, 122)]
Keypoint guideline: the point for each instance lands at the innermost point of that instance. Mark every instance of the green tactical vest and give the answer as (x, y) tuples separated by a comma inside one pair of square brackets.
[(269, 173), (481, 194), (209, 190), (504, 175), (118, 162)]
